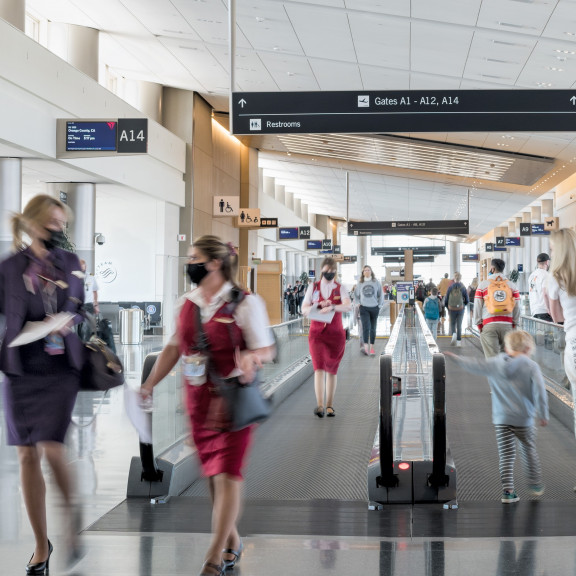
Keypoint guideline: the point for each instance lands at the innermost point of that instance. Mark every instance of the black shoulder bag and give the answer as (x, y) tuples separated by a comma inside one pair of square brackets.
[(244, 402)]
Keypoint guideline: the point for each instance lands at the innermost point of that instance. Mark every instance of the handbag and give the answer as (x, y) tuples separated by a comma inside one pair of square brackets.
[(102, 369), (244, 403)]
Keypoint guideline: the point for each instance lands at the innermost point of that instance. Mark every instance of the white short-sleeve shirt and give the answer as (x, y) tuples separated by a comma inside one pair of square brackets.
[(568, 304), (250, 315)]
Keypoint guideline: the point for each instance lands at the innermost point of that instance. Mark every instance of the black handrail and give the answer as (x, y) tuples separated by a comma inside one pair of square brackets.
[(387, 477), (438, 478)]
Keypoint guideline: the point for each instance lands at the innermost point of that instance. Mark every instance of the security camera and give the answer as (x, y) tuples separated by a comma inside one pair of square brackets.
[(100, 239)]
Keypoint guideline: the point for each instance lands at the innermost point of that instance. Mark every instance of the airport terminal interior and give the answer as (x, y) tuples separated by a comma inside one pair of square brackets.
[(423, 138)]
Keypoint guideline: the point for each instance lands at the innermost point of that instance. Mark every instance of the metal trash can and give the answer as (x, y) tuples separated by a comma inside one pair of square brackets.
[(131, 325)]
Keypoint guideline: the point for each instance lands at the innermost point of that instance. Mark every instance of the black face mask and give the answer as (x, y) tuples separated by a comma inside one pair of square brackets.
[(329, 275), (57, 239), (196, 272)]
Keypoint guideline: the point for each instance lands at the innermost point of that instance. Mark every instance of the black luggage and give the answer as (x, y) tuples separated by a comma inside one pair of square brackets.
[(104, 332)]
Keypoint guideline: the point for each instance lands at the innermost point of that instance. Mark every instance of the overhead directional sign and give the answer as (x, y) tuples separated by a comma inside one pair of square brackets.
[(403, 111), (539, 230), (513, 241), (304, 232), (525, 229), (384, 251), (441, 227), (500, 241), (396, 259)]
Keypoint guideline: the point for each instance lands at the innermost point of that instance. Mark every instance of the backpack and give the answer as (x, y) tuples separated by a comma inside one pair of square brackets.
[(499, 297), (432, 309), (455, 300)]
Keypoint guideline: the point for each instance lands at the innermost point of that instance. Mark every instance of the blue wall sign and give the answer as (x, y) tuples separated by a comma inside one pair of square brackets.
[(287, 233), (512, 241)]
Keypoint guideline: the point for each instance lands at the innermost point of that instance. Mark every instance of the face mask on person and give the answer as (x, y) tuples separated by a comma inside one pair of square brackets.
[(329, 275), (57, 239), (196, 272)]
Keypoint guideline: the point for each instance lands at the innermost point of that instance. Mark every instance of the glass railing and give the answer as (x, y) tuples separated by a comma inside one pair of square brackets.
[(170, 421), (549, 351)]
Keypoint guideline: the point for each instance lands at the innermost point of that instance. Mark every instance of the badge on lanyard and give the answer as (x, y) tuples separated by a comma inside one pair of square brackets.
[(194, 369)]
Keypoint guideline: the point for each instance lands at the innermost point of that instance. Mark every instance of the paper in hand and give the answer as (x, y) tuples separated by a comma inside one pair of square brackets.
[(325, 317), (34, 331)]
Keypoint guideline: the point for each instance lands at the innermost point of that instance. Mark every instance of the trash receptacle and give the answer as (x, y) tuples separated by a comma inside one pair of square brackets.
[(131, 325)]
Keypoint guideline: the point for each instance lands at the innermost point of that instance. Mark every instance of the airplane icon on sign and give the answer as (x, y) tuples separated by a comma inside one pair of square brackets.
[(363, 101)]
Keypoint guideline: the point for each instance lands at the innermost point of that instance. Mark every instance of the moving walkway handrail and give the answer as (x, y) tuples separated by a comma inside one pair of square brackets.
[(387, 477), (439, 444)]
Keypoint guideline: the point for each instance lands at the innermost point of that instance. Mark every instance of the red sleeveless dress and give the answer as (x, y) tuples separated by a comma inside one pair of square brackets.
[(220, 452), (327, 341)]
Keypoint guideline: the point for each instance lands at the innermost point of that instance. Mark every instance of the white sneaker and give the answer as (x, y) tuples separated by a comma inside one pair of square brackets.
[(453, 341), (458, 343)]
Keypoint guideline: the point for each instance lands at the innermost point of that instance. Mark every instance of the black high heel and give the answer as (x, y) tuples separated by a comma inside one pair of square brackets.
[(40, 568)]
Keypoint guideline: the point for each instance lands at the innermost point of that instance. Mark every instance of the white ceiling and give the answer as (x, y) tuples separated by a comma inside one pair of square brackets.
[(323, 45)]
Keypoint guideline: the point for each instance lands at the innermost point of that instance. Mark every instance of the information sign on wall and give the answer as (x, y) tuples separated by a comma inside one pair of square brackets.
[(268, 222), (513, 241), (326, 244), (132, 135), (314, 245), (248, 218), (287, 233), (500, 241), (489, 247), (91, 136), (304, 232), (226, 206), (470, 257), (539, 230), (525, 229)]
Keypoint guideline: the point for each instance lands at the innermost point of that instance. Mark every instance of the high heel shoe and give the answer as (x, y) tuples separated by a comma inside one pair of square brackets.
[(219, 569), (40, 568), (228, 564)]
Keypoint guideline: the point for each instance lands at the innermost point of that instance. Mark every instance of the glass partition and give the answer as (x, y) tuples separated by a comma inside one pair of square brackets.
[(549, 351), (170, 422)]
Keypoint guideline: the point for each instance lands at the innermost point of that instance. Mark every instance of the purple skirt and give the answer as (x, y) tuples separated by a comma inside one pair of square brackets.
[(38, 408)]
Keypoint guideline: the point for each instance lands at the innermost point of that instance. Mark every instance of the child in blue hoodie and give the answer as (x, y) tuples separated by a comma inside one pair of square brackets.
[(518, 398)]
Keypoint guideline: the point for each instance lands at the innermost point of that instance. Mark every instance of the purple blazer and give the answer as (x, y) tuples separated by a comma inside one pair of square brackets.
[(13, 296)]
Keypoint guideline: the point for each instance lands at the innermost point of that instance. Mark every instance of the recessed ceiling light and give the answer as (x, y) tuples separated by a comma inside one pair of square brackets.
[(543, 84), (570, 33), (260, 19), (565, 51), (554, 69)]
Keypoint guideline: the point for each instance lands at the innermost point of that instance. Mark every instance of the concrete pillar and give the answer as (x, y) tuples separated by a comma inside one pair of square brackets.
[(10, 199), (547, 208), (280, 193), (269, 184), (14, 12), (290, 269), (81, 199), (78, 45), (362, 260), (304, 263), (454, 258), (269, 252), (144, 96), (297, 265), (281, 255)]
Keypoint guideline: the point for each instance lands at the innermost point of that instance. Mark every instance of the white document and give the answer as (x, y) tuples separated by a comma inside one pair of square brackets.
[(34, 331), (141, 419), (326, 317)]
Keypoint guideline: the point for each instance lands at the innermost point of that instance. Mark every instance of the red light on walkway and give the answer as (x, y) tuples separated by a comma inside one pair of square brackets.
[(404, 466)]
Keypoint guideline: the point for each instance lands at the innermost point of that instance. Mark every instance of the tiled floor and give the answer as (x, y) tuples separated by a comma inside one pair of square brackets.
[(101, 451)]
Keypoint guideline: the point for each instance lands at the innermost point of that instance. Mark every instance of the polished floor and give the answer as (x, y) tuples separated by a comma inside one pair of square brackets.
[(289, 537)]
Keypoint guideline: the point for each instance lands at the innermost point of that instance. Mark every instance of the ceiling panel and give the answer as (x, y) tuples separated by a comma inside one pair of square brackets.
[(303, 45)]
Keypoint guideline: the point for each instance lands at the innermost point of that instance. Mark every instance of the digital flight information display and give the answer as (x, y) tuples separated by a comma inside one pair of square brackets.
[(91, 136)]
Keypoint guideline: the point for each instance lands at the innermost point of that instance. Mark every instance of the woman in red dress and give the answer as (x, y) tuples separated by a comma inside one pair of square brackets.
[(327, 340), (233, 337)]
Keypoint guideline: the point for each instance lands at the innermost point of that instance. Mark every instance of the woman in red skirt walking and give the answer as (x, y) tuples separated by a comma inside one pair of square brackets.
[(327, 338), (220, 330)]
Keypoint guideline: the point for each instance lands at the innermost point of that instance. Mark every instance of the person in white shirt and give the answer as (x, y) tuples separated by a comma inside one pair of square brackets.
[(561, 294), (536, 286), (91, 288)]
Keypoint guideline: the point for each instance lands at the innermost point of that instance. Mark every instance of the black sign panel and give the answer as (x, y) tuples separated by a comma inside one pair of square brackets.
[(91, 136), (525, 229), (440, 227), (287, 233), (489, 247), (415, 259), (500, 241), (304, 232), (470, 257), (326, 244), (132, 135), (424, 250), (403, 111), (337, 249), (268, 222), (349, 259)]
